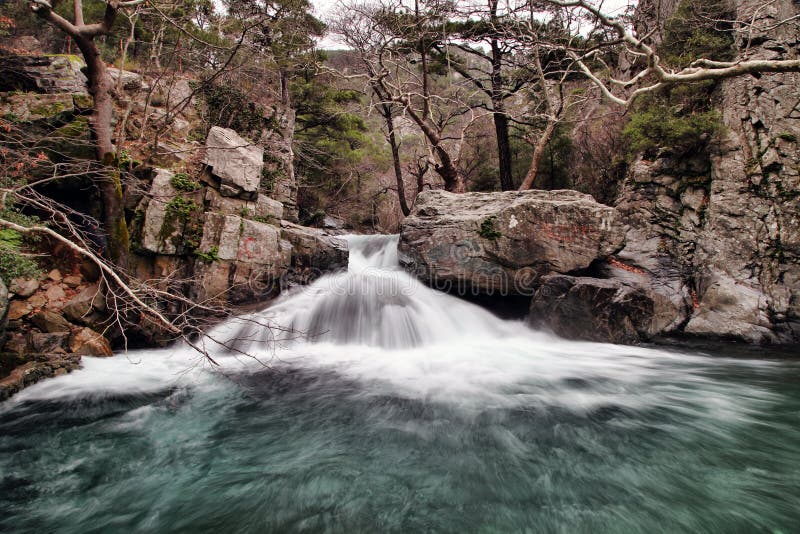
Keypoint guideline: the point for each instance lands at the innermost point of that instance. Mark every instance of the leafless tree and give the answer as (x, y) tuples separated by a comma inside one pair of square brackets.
[(100, 87), (395, 60)]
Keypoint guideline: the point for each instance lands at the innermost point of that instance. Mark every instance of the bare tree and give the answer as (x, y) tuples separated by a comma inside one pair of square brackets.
[(651, 72), (100, 87), (394, 53)]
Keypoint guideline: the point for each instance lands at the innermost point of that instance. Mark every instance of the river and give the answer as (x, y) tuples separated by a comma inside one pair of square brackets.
[(375, 404)]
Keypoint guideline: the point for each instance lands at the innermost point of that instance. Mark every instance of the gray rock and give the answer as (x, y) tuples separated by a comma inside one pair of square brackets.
[(263, 208), (50, 321), (329, 222), (280, 162), (30, 107), (735, 239), (130, 81), (503, 242), (50, 73), (592, 309), (730, 309), (240, 260), (237, 163), (168, 218), (314, 249), (24, 287)]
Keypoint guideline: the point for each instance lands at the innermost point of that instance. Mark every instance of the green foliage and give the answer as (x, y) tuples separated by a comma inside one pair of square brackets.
[(124, 159), (182, 182), (330, 138), (229, 107), (788, 136), (698, 29), (14, 263), (180, 209), (487, 229), (683, 118), (211, 256), (658, 126)]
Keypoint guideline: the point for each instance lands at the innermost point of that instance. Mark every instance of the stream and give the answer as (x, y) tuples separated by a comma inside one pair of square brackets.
[(367, 402)]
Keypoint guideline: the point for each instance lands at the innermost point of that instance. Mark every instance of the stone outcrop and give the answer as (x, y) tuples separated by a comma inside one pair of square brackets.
[(593, 309), (314, 252), (31, 368), (50, 73), (52, 321), (723, 226), (235, 162), (502, 243), (244, 260), (220, 236)]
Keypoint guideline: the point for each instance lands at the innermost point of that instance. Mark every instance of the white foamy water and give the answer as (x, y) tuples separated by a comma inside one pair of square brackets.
[(379, 326)]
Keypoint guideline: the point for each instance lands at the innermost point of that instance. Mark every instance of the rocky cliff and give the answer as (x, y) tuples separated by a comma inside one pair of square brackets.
[(724, 225), (711, 243), (211, 219)]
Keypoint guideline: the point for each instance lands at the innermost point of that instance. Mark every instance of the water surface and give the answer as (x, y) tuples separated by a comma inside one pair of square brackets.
[(383, 406)]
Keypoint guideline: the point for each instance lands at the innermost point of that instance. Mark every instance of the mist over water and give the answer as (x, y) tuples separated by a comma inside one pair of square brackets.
[(377, 404)]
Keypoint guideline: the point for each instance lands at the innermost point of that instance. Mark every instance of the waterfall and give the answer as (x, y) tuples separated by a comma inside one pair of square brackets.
[(374, 303)]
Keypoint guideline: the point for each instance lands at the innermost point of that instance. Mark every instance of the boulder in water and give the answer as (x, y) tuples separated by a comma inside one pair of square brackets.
[(593, 309), (502, 243)]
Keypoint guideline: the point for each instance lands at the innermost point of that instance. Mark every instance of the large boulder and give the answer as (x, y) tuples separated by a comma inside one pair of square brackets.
[(504, 242), (593, 309), (30, 107), (239, 260), (314, 252), (730, 309), (168, 218), (87, 306), (51, 322), (262, 208), (87, 342), (51, 73), (237, 163)]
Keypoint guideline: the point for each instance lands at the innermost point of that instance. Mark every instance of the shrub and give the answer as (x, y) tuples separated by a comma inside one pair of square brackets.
[(182, 182), (658, 126), (487, 229)]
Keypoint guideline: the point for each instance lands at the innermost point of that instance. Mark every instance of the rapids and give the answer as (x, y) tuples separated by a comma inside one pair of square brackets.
[(367, 402)]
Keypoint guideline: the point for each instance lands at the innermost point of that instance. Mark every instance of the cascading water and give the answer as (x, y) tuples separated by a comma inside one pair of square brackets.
[(373, 403), (374, 303)]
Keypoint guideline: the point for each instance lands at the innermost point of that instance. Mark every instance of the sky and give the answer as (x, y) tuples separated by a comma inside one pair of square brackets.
[(323, 9)]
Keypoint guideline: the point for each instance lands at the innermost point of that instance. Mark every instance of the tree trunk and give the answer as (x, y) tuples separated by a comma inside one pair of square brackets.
[(398, 171), (498, 108), (109, 182), (538, 152), (503, 149), (453, 180)]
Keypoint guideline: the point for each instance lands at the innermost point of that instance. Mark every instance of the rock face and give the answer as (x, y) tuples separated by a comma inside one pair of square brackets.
[(313, 252), (244, 260), (51, 73), (723, 226), (237, 163), (593, 309), (504, 242), (32, 368)]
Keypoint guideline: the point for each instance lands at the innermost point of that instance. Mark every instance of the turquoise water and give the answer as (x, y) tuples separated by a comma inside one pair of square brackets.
[(516, 432), (295, 450)]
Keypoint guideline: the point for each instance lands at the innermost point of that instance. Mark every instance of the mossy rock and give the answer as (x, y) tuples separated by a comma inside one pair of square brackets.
[(82, 101), (72, 140), (34, 107)]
